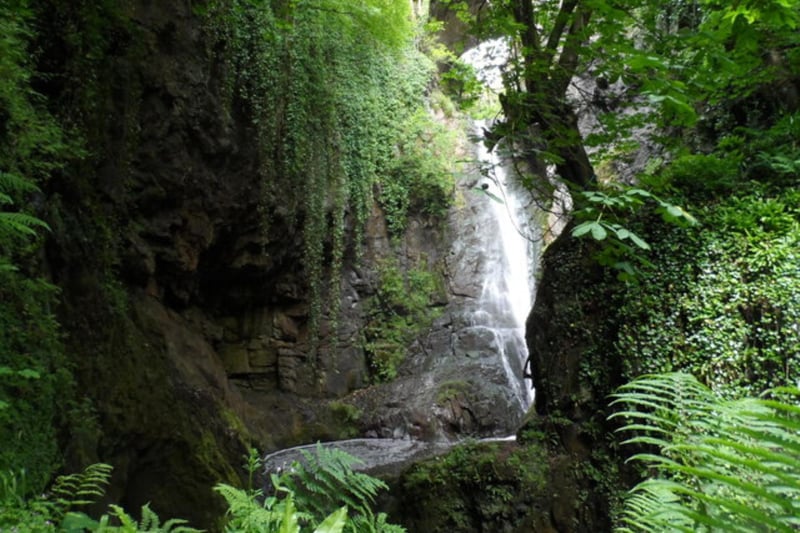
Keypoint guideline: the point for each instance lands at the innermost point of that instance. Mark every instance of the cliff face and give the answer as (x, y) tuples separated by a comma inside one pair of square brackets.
[(186, 321), (161, 213), (187, 316)]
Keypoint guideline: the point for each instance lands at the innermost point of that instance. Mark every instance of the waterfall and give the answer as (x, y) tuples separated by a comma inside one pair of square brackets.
[(506, 295), (466, 377), (508, 288)]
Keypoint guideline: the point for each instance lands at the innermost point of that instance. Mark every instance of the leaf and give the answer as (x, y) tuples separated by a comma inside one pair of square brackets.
[(334, 523), (639, 242), (28, 373), (598, 231), (78, 522), (722, 465), (289, 521), (21, 223), (489, 194), (582, 228)]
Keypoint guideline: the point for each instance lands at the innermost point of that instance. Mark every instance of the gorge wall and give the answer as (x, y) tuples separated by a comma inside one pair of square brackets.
[(188, 319)]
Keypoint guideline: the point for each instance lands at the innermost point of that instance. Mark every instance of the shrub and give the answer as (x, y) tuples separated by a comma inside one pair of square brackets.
[(703, 177), (400, 310)]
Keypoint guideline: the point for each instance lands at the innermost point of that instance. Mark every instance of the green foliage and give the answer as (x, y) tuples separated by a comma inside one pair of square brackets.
[(474, 486), (768, 156), (420, 179), (335, 90), (323, 487), (247, 514), (720, 301), (32, 143), (603, 217), (56, 509), (452, 390), (326, 480), (33, 380), (14, 225), (700, 176), (688, 60), (717, 465), (150, 522), (461, 83), (345, 419), (401, 309), (34, 383)]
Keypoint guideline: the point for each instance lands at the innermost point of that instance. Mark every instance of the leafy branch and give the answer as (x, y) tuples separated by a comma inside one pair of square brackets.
[(603, 218)]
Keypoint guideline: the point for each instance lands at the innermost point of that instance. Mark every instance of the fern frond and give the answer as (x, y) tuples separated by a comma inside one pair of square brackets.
[(14, 183), (334, 523), (12, 223), (150, 520), (246, 514), (326, 481), (727, 465), (82, 488)]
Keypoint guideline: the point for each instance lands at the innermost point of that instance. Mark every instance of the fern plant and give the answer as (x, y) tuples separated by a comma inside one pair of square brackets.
[(13, 223), (150, 523), (43, 513), (315, 493), (327, 479), (721, 465), (250, 512), (57, 510)]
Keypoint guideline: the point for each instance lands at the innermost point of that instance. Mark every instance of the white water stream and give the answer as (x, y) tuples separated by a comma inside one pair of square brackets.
[(508, 288), (506, 297)]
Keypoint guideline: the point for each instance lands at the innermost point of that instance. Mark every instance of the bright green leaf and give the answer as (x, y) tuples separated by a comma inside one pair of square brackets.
[(598, 231), (334, 523)]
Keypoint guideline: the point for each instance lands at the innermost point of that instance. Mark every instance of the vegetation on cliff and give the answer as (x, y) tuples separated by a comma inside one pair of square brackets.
[(35, 385), (112, 110), (323, 493), (336, 95), (720, 83), (332, 92)]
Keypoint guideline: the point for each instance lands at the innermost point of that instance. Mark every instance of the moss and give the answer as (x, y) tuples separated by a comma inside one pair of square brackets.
[(450, 390), (344, 418), (475, 487), (401, 309)]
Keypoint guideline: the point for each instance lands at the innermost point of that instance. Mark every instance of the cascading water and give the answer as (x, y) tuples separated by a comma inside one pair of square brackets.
[(506, 296)]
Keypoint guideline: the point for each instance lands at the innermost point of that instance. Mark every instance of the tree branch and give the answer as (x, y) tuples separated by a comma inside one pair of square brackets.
[(568, 61), (559, 26)]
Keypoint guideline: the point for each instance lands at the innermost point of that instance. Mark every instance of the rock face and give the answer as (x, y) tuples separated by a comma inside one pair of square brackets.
[(455, 381), (498, 486), (188, 320), (570, 337)]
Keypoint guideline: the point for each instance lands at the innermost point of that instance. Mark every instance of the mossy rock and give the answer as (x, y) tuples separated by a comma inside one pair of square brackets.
[(496, 486)]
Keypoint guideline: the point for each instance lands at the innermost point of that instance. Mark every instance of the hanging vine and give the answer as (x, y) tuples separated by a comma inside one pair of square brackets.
[(331, 87)]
